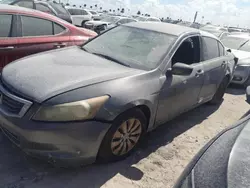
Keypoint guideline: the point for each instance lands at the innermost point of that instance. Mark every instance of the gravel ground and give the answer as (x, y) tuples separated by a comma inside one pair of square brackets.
[(158, 163)]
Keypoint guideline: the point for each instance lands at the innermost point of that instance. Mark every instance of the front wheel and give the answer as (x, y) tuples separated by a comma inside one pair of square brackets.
[(218, 96), (123, 137)]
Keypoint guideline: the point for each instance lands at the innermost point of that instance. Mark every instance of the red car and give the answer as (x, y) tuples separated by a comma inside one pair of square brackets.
[(25, 31)]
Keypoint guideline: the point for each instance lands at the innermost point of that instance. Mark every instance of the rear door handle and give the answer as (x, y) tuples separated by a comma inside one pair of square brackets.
[(60, 45), (198, 73), (7, 48)]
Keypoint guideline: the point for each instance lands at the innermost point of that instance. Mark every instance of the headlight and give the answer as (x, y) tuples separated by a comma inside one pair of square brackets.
[(80, 110)]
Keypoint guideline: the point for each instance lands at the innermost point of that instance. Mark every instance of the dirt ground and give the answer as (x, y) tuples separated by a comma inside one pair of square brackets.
[(158, 163)]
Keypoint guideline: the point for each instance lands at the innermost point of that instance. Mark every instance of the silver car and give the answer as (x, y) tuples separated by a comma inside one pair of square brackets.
[(240, 47), (77, 105)]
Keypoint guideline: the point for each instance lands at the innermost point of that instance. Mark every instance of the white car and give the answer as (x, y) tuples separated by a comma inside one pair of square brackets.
[(79, 16), (147, 19), (107, 23)]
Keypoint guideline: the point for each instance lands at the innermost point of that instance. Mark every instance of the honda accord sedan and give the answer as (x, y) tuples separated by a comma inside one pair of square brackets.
[(77, 105)]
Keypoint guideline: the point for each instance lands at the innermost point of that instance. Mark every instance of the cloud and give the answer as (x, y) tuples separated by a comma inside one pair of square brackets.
[(222, 12)]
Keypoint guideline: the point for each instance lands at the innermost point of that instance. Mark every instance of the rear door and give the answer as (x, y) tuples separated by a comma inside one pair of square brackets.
[(8, 42), (215, 67), (38, 35)]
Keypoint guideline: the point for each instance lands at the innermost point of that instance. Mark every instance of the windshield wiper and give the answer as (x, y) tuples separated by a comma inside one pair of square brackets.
[(111, 58), (242, 44)]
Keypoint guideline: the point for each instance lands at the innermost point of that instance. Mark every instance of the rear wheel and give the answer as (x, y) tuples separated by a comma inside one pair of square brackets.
[(123, 137), (218, 96)]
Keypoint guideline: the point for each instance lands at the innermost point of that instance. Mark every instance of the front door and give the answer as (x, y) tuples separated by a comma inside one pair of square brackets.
[(181, 92), (215, 67), (8, 41)]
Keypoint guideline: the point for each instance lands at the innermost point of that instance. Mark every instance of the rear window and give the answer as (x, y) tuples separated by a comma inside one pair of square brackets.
[(26, 4), (5, 25), (36, 27), (59, 8), (58, 28)]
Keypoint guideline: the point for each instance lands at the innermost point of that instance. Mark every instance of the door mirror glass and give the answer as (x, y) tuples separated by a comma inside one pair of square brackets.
[(181, 69), (229, 50), (248, 94)]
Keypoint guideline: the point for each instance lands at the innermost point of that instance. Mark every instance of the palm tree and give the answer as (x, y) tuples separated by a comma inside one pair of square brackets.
[(122, 11), (113, 10), (110, 10), (91, 7), (139, 12), (74, 5), (67, 4), (118, 9), (95, 5), (80, 6), (100, 8), (84, 5)]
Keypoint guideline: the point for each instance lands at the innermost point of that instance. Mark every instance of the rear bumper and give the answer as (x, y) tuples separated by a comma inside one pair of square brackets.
[(65, 144)]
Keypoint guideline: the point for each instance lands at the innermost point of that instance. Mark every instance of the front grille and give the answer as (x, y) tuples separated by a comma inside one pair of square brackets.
[(11, 105), (14, 138)]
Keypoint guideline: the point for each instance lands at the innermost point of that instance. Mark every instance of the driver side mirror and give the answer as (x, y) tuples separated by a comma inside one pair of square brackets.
[(118, 23), (229, 50), (182, 69)]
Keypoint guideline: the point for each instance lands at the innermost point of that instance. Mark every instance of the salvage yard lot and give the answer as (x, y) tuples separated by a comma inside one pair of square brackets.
[(158, 163)]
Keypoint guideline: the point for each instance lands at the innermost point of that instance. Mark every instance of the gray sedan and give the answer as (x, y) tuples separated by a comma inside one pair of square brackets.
[(240, 46), (75, 105)]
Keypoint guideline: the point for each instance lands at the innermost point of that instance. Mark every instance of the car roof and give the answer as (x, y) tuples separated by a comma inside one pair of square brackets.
[(168, 28), (242, 36)]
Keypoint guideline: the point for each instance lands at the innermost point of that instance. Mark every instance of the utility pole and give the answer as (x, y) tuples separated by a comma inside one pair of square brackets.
[(195, 16)]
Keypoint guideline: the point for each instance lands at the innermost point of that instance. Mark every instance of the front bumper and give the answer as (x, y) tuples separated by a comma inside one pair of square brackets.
[(241, 75), (64, 144)]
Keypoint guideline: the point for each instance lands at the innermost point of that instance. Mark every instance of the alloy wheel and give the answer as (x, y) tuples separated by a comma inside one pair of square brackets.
[(126, 136)]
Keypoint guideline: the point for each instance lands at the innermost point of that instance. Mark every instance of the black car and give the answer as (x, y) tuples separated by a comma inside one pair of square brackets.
[(224, 161), (50, 7)]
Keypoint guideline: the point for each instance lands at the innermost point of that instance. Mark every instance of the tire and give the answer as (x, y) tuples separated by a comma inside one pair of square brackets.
[(218, 96), (116, 145), (83, 23)]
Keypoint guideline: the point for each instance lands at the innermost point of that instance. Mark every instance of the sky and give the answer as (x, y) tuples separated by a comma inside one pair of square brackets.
[(219, 12)]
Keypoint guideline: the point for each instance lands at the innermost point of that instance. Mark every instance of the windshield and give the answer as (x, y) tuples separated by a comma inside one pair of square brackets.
[(141, 19), (93, 12), (7, 1), (135, 47), (111, 19), (233, 42)]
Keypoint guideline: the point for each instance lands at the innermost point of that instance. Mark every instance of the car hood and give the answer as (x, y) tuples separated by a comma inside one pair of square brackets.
[(244, 57), (47, 74), (97, 22)]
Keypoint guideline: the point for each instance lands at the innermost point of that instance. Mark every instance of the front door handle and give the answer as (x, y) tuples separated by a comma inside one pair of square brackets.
[(7, 48), (198, 73)]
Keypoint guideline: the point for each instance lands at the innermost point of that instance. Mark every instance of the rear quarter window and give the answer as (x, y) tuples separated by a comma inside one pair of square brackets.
[(210, 48)]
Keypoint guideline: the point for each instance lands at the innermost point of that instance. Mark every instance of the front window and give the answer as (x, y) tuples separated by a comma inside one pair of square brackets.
[(7, 1), (233, 42), (137, 48), (111, 19)]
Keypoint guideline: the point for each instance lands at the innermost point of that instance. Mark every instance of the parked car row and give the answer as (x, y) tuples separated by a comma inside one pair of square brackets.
[(49, 7), (25, 31), (96, 101)]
